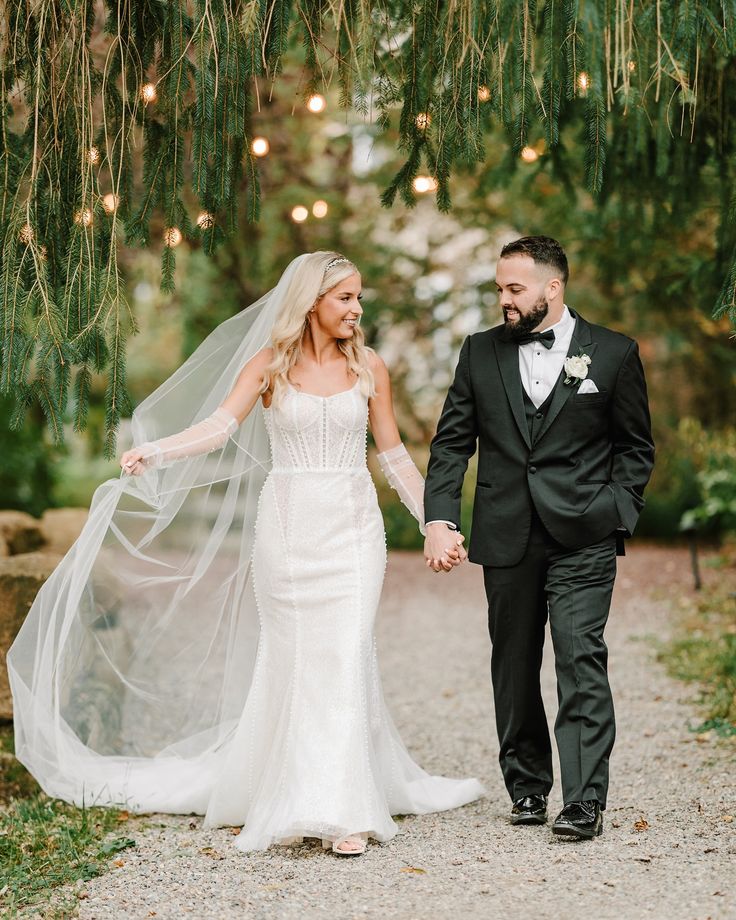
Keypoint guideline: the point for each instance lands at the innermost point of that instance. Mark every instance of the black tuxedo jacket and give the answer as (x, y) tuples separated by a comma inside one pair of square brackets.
[(585, 470)]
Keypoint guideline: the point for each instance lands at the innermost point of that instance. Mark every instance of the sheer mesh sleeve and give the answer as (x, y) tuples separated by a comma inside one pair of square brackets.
[(402, 475), (205, 436)]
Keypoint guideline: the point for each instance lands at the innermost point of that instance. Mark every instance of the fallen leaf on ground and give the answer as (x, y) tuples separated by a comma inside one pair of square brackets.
[(641, 825), (414, 869), (728, 818), (123, 816), (211, 852), (119, 863)]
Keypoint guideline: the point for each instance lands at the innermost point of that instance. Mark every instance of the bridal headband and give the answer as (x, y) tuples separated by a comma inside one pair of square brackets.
[(336, 262)]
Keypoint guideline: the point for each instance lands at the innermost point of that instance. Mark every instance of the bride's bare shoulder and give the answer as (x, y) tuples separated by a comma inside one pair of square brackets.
[(377, 365), (262, 358)]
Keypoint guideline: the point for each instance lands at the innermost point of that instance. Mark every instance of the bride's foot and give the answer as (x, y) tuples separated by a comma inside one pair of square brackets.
[(354, 845)]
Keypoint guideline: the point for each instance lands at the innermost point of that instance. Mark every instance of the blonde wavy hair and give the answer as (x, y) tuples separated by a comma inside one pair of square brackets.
[(310, 282)]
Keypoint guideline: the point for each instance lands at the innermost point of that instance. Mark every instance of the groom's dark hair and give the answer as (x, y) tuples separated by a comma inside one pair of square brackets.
[(543, 249)]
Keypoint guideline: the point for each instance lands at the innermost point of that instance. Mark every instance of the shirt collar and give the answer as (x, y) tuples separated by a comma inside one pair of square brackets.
[(563, 324)]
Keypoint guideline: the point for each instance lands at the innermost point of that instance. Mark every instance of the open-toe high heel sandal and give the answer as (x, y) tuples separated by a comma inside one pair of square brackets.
[(350, 845)]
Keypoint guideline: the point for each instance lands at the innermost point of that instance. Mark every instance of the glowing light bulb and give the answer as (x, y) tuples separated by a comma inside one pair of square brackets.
[(319, 208), (423, 121), (424, 184), (172, 236), (110, 202), (26, 234), (94, 155), (316, 103), (299, 214), (583, 81), (206, 220), (148, 93), (260, 146), (484, 94), (529, 155), (84, 217)]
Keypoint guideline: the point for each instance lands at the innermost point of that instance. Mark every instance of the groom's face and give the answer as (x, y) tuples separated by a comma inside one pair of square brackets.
[(522, 293)]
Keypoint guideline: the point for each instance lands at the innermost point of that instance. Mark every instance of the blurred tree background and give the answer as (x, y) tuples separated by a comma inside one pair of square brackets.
[(649, 252)]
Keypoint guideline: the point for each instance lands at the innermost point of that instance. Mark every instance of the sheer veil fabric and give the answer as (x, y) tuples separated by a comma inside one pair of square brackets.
[(136, 657)]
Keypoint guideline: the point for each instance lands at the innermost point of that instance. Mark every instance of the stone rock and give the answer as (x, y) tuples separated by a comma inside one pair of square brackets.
[(61, 527), (20, 579), (19, 533)]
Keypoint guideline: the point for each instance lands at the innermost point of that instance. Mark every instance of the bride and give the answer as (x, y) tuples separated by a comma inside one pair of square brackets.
[(207, 644)]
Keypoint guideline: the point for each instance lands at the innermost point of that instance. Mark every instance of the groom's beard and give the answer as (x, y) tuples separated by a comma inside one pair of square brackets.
[(527, 322)]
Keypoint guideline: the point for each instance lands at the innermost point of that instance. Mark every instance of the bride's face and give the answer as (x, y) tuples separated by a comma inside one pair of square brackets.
[(338, 311)]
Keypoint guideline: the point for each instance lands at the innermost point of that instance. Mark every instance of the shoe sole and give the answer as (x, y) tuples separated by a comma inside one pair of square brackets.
[(528, 819), (565, 830)]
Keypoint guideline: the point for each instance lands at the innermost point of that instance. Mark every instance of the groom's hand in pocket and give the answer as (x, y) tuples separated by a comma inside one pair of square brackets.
[(443, 547)]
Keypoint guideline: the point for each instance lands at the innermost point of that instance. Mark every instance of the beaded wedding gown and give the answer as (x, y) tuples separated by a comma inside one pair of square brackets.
[(315, 752)]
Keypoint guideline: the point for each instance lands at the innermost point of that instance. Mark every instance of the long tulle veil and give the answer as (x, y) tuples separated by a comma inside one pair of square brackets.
[(136, 657)]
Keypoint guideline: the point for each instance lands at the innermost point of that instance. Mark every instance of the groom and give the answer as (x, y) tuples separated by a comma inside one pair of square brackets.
[(558, 409)]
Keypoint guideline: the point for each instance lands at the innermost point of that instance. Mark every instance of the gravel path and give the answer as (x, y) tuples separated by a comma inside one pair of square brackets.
[(667, 850)]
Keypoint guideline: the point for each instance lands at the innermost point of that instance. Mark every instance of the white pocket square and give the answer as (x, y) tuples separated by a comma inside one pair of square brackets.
[(587, 386)]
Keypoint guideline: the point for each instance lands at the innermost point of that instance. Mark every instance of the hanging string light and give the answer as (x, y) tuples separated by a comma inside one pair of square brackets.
[(316, 103), (110, 202), (260, 147), (319, 208), (83, 217), (529, 155), (299, 214), (93, 155), (148, 93), (583, 82), (206, 220), (26, 234), (423, 121), (484, 94), (172, 236), (424, 184), (632, 66)]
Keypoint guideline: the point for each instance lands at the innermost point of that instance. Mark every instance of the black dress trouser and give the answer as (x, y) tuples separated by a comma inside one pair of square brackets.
[(573, 588)]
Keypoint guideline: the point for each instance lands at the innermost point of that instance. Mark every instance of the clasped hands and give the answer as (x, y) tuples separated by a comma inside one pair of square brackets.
[(443, 548)]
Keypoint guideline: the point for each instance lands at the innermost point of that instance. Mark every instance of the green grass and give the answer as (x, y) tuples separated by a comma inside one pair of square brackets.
[(46, 844), (704, 652)]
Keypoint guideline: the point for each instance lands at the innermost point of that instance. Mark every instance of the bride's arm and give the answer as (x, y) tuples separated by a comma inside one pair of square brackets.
[(210, 433), (401, 472)]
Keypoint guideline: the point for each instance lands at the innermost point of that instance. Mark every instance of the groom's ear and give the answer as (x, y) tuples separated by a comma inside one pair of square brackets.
[(553, 288)]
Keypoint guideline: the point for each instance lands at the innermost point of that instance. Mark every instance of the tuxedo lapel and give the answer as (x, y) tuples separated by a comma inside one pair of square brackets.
[(507, 354), (582, 341)]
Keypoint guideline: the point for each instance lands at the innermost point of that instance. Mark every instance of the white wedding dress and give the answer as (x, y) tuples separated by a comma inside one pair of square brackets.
[(315, 752)]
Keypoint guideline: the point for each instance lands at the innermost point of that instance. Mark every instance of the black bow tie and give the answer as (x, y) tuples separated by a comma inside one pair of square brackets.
[(546, 338)]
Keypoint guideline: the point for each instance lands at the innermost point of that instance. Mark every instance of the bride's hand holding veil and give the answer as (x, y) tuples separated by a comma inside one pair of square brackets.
[(209, 434)]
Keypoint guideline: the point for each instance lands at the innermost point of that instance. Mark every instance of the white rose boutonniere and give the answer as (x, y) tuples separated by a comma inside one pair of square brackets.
[(576, 369)]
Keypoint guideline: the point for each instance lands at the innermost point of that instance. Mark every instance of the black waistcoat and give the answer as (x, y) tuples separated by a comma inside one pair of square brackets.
[(535, 416)]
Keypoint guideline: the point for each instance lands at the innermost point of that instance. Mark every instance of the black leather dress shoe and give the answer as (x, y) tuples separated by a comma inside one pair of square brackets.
[(580, 819), (530, 809)]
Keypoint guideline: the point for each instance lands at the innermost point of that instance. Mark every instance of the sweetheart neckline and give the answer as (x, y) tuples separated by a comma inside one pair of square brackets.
[(316, 395)]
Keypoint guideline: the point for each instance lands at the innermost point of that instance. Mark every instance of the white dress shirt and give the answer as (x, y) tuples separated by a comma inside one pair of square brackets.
[(540, 367)]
